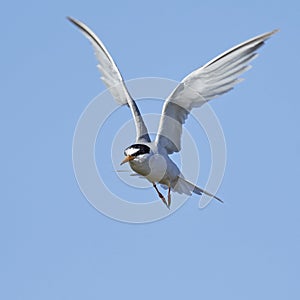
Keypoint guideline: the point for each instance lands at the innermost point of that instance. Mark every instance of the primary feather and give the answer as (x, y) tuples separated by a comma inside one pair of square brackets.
[(112, 78), (216, 77)]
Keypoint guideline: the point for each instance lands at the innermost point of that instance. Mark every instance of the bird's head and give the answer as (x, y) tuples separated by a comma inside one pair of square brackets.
[(135, 151)]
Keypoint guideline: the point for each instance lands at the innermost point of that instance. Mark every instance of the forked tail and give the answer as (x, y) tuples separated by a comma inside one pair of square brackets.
[(185, 187)]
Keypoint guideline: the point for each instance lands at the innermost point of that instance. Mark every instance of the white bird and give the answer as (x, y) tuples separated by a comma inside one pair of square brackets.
[(151, 158)]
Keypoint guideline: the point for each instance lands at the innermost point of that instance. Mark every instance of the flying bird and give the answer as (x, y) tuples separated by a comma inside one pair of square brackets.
[(150, 159)]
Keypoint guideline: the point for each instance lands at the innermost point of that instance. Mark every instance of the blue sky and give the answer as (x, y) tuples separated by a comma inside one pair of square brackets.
[(55, 245)]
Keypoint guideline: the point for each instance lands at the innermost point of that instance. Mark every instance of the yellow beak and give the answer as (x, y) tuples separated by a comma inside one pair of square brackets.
[(127, 159)]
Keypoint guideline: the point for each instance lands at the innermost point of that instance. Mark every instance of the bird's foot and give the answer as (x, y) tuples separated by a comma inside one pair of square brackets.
[(161, 196), (169, 197), (164, 201)]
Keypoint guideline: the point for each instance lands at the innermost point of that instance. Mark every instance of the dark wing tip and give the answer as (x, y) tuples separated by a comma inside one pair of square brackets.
[(217, 198), (75, 22), (71, 19)]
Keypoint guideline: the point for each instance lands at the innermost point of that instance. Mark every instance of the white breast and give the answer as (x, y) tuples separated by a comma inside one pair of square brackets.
[(158, 167)]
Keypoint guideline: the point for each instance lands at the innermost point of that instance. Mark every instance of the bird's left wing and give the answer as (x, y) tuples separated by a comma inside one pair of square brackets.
[(216, 77), (112, 78)]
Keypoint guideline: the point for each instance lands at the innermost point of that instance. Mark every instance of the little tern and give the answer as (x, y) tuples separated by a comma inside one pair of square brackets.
[(150, 159)]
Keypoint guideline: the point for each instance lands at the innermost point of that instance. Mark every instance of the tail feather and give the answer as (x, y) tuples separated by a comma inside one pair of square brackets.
[(185, 187)]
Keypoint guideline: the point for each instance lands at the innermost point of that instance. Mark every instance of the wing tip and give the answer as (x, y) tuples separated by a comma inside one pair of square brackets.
[(77, 23), (275, 31), (271, 33), (71, 19)]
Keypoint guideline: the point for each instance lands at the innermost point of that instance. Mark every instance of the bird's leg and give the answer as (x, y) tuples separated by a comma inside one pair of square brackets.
[(169, 197), (161, 196)]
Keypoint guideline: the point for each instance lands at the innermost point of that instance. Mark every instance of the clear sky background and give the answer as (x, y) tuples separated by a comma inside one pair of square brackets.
[(55, 245)]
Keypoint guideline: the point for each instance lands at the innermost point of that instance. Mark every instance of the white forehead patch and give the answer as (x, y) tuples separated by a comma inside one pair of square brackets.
[(132, 151)]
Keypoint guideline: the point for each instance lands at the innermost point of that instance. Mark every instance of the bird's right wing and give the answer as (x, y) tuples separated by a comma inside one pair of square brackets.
[(112, 78), (216, 77)]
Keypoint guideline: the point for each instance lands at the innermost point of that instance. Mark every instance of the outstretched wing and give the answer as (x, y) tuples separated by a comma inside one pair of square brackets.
[(112, 78), (216, 77)]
